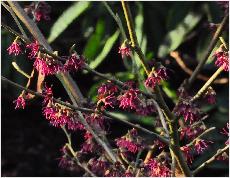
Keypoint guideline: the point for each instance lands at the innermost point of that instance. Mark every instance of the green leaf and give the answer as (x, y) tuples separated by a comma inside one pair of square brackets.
[(175, 37), (94, 42), (177, 13), (169, 91), (108, 46), (139, 21), (66, 18)]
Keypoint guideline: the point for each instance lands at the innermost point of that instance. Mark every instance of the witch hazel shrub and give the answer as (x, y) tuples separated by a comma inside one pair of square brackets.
[(168, 149)]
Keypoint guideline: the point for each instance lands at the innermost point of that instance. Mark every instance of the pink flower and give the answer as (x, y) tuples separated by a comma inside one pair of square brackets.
[(74, 125), (225, 131), (158, 169), (188, 110), (201, 145), (65, 161), (210, 95), (146, 107), (124, 51), (156, 77), (107, 89), (129, 145), (47, 66), (74, 63), (129, 100), (188, 154), (222, 59), (39, 10), (98, 166), (89, 146), (190, 132), (33, 48), (108, 101), (15, 48), (20, 102), (223, 157), (48, 93)]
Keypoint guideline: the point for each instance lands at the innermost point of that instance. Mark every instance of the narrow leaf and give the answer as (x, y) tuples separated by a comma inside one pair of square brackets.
[(94, 43), (108, 46), (175, 37), (67, 18)]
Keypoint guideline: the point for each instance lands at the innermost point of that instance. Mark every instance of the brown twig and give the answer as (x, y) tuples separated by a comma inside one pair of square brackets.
[(207, 84), (201, 135), (87, 110), (173, 126), (213, 158), (208, 52), (180, 62)]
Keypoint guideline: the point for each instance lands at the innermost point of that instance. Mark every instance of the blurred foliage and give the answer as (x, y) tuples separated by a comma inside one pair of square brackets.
[(161, 27), (66, 18)]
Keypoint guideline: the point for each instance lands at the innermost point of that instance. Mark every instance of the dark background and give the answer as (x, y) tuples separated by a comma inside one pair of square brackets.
[(30, 146)]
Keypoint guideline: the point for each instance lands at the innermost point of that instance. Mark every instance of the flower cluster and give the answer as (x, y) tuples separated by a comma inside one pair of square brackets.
[(129, 100), (98, 166), (107, 95), (188, 110), (124, 50), (155, 77), (15, 47), (57, 114), (210, 95), (222, 59), (39, 10), (201, 145), (190, 132), (20, 102), (44, 63), (33, 49), (225, 131), (131, 142), (90, 146), (158, 169), (65, 160), (48, 66), (188, 154)]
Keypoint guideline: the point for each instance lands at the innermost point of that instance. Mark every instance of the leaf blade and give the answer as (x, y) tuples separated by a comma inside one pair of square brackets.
[(107, 47), (67, 18)]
